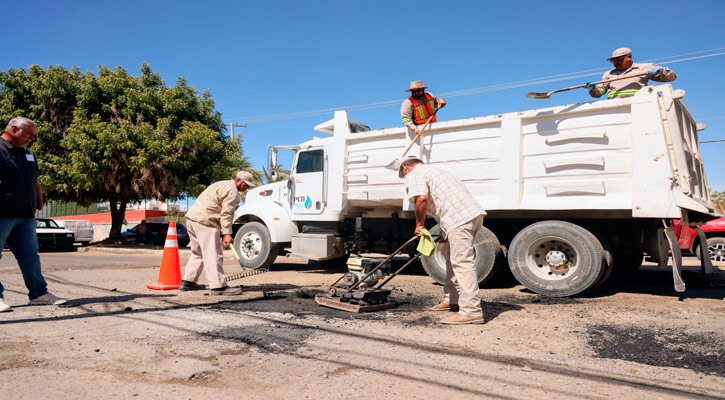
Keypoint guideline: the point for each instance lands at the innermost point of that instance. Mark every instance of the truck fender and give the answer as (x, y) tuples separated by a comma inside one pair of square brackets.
[(273, 215)]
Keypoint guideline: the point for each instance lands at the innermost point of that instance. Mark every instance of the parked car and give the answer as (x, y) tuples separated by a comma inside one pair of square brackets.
[(715, 234), (156, 234), (52, 236), (82, 229)]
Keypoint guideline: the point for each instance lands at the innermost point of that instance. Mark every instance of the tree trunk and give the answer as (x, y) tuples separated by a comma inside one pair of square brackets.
[(118, 214)]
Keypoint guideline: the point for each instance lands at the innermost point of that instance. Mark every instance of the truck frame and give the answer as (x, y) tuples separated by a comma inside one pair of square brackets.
[(572, 192)]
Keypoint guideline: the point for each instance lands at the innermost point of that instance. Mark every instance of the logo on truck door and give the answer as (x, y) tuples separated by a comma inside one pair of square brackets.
[(302, 202)]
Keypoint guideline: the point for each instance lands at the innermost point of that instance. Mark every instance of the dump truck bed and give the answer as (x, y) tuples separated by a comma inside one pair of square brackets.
[(634, 157)]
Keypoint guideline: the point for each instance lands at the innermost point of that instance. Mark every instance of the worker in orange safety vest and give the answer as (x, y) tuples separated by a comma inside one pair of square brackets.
[(417, 108)]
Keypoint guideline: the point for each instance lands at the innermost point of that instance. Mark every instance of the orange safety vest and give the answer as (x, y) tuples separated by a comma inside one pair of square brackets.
[(422, 110)]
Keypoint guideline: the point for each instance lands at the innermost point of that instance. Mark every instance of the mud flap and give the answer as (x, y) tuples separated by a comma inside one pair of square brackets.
[(676, 257), (705, 262)]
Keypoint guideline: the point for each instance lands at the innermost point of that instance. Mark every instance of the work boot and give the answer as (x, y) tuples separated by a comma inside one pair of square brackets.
[(4, 307), (187, 285), (226, 291), (459, 319), (444, 307), (47, 299)]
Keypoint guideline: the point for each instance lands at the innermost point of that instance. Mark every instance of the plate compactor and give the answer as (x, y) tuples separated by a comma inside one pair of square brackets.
[(355, 291)]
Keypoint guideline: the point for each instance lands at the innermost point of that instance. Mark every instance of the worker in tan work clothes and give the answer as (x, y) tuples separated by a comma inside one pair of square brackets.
[(212, 214), (417, 108), (438, 192), (623, 65)]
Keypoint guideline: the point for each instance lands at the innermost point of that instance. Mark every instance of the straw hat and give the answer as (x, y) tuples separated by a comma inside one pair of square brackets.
[(416, 85)]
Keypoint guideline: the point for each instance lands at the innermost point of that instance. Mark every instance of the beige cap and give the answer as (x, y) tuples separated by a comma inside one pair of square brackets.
[(246, 177), (416, 85), (622, 51)]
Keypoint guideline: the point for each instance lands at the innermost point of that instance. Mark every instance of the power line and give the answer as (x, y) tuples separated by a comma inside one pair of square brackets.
[(466, 92), (712, 141)]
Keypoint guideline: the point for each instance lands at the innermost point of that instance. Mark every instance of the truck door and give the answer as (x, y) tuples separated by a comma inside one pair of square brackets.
[(308, 182)]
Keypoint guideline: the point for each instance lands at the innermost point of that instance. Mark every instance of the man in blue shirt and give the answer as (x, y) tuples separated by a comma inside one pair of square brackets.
[(20, 197)]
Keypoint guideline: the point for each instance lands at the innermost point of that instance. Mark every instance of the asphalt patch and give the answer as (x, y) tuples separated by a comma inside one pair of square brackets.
[(301, 303), (665, 347), (266, 337)]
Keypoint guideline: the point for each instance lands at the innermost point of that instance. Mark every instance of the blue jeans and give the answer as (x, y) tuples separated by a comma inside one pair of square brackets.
[(21, 238)]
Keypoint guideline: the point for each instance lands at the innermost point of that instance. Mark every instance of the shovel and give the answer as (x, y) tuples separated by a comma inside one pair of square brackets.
[(395, 164), (545, 95)]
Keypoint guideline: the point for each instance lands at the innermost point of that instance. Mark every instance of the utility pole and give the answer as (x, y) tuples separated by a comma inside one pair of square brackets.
[(234, 124)]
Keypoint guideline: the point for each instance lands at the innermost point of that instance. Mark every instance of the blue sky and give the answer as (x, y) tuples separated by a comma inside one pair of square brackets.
[(260, 58)]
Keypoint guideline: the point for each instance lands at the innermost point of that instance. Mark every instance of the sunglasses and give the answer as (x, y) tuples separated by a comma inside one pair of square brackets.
[(618, 59), (417, 91)]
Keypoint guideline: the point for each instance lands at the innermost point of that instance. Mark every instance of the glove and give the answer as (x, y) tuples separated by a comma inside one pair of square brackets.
[(590, 86), (654, 72), (426, 245)]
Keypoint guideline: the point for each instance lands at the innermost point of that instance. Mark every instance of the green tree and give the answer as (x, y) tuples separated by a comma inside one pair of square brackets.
[(120, 138)]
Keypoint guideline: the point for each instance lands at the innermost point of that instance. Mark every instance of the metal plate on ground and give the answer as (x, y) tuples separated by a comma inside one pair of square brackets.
[(335, 302)]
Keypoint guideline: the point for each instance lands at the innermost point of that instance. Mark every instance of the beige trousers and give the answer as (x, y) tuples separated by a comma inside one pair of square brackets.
[(206, 254), (461, 286)]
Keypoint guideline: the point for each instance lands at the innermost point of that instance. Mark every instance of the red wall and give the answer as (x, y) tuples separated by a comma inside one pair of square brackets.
[(132, 217)]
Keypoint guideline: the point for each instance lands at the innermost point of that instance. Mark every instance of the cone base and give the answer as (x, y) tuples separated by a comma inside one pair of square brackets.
[(163, 287)]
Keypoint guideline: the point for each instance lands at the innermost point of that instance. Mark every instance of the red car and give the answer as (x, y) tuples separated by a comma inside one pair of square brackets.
[(715, 233)]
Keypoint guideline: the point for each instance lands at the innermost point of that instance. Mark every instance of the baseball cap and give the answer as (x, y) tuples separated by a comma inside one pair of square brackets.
[(246, 177)]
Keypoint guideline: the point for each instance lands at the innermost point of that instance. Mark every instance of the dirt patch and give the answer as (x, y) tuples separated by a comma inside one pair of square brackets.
[(660, 347)]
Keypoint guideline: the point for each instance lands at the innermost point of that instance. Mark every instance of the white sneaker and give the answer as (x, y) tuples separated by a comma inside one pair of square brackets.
[(3, 306), (47, 298)]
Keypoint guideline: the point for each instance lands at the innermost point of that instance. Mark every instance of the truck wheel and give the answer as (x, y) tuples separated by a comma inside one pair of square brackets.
[(254, 246), (556, 258), (487, 252), (716, 248)]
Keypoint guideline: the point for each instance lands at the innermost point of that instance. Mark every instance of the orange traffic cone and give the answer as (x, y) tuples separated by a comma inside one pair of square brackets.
[(170, 272)]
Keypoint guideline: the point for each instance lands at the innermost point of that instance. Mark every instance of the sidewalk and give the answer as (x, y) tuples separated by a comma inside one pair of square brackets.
[(129, 248)]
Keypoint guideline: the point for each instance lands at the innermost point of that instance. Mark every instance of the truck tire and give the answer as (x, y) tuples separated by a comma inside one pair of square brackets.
[(556, 258), (487, 249), (716, 248), (254, 246)]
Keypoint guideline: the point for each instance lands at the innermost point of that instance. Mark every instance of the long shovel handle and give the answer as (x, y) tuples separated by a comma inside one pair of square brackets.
[(420, 134), (544, 95)]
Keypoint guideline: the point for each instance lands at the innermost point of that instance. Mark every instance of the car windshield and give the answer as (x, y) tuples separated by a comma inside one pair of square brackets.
[(46, 223)]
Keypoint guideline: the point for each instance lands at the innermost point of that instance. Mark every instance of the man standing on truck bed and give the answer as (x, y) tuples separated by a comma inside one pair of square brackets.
[(417, 108), (461, 217), (623, 65), (212, 214)]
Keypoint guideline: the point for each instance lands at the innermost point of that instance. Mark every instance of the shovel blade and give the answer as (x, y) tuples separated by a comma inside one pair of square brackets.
[(538, 95), (393, 165)]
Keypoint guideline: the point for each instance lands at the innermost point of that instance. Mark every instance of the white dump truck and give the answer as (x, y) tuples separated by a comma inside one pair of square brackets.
[(571, 191)]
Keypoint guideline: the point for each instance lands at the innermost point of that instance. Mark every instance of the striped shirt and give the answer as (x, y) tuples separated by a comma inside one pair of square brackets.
[(449, 200)]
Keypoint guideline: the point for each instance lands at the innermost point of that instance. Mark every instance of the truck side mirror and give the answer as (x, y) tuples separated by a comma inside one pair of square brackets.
[(273, 175), (273, 159)]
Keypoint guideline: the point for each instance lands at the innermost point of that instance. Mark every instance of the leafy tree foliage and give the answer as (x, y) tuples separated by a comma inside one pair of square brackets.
[(120, 138)]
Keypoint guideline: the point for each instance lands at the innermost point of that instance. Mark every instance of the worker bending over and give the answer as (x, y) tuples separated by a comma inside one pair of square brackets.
[(460, 216), (210, 216), (623, 65)]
